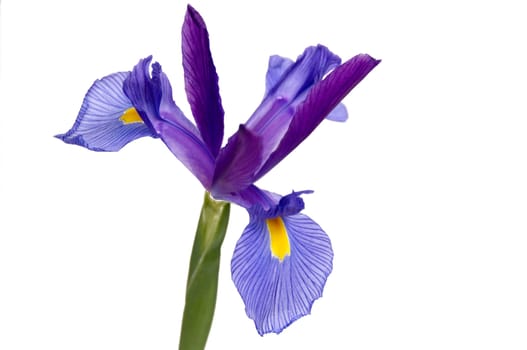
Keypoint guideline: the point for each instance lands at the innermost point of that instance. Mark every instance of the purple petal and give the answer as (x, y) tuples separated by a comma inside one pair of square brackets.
[(290, 204), (201, 81), (290, 81), (237, 163), (320, 101), (338, 114), (152, 97), (308, 69), (277, 292), (100, 125), (251, 197), (277, 67), (288, 86)]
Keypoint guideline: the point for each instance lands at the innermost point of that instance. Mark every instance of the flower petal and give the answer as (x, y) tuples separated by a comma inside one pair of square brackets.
[(320, 101), (278, 65), (277, 292), (249, 197), (288, 84), (237, 163), (201, 81), (107, 120), (338, 114), (152, 97), (287, 81), (308, 69)]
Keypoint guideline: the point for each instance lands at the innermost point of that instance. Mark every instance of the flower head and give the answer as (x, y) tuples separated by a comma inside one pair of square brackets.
[(283, 258)]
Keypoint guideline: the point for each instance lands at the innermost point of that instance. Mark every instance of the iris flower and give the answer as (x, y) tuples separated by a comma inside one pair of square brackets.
[(283, 257)]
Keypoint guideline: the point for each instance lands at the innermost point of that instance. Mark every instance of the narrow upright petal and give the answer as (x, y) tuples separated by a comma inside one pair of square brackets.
[(107, 120), (287, 85), (286, 81), (152, 97), (280, 266), (320, 101), (278, 67), (201, 81), (309, 68)]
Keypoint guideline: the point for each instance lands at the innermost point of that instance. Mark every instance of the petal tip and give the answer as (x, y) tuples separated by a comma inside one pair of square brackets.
[(194, 16), (374, 60)]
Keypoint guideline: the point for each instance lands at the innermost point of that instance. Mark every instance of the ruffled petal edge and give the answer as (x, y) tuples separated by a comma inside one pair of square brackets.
[(278, 292), (107, 120)]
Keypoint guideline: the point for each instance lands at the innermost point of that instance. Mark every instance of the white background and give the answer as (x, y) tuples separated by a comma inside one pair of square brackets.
[(423, 191)]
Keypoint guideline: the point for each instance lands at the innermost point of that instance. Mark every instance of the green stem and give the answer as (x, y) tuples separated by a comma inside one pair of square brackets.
[(202, 282)]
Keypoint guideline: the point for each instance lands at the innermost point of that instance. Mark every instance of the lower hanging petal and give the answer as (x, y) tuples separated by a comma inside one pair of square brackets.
[(280, 266), (107, 120)]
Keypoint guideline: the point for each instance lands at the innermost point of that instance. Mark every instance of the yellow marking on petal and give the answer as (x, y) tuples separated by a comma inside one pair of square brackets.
[(279, 240), (130, 116)]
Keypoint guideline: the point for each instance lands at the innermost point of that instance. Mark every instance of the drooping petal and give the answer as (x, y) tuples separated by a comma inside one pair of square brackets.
[(237, 163), (288, 83), (107, 120), (152, 97), (279, 277), (201, 81), (320, 101)]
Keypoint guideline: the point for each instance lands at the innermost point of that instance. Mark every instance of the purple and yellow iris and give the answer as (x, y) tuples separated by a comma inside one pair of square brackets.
[(283, 258)]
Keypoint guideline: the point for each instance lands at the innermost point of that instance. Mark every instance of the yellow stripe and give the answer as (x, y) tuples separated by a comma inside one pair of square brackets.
[(279, 241), (130, 116)]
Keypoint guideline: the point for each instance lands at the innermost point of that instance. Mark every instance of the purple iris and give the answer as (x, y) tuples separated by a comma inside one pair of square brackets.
[(283, 258)]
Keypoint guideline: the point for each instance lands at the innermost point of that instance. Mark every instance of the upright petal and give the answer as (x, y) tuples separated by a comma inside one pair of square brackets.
[(320, 101), (286, 81), (152, 97), (280, 266), (308, 69), (278, 65), (201, 81), (107, 120), (288, 84)]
